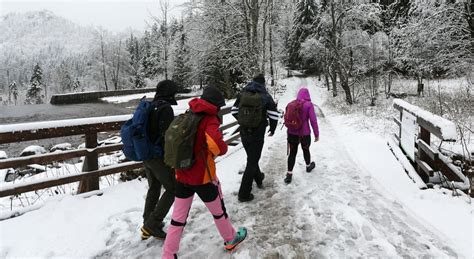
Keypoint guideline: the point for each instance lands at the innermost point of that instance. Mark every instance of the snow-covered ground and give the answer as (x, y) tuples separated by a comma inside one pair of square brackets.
[(358, 202)]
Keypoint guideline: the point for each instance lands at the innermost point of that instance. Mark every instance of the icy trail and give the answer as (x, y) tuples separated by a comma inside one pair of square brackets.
[(333, 212)]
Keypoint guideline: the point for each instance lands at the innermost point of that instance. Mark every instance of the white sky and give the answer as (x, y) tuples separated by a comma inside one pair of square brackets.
[(114, 15)]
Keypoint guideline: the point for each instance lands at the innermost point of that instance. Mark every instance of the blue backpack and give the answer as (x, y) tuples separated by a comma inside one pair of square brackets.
[(137, 145)]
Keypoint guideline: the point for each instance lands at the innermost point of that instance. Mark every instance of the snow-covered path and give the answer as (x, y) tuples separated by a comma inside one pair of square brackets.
[(333, 212), (336, 211)]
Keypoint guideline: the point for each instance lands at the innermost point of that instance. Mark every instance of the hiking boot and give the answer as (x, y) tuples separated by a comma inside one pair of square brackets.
[(249, 198), (260, 185), (147, 233), (310, 167), (239, 237), (288, 178)]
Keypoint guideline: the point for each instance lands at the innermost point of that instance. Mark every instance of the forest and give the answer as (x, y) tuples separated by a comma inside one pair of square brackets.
[(357, 47)]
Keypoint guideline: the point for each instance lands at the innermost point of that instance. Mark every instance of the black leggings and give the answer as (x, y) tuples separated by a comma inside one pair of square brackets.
[(293, 142)]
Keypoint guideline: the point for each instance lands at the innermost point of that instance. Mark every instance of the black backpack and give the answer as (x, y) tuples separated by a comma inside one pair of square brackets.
[(250, 109), (180, 138)]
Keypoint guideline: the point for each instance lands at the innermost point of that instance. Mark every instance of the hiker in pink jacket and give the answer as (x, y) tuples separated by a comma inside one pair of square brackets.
[(299, 131)]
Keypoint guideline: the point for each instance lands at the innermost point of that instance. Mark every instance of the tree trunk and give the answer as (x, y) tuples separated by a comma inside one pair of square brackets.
[(103, 62), (116, 71), (264, 34), (270, 38), (326, 79), (345, 85), (333, 76)]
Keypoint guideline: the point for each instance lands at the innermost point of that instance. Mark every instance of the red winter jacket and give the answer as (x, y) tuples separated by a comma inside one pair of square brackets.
[(209, 144)]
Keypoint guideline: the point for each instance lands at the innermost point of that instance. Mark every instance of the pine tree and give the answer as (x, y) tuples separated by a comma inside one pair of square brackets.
[(303, 23), (33, 94), (76, 86), (12, 91), (137, 73), (65, 79), (181, 69)]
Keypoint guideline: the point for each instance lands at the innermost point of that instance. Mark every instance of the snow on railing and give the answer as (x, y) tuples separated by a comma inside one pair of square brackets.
[(32, 126), (414, 138), (446, 127)]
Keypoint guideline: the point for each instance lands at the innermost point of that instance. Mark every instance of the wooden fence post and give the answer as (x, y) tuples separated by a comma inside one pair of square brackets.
[(400, 129), (91, 163), (425, 136)]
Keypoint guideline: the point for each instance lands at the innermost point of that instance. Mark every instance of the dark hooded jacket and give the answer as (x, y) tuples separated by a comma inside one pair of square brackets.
[(270, 109)]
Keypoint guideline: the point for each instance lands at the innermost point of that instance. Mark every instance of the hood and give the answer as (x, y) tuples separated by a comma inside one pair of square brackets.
[(255, 87), (303, 94), (199, 105), (169, 99)]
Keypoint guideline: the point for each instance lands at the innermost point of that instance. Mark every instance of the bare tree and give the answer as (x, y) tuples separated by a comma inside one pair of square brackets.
[(116, 66), (102, 51)]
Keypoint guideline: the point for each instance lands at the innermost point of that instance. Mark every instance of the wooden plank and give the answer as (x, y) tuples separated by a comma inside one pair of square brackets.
[(397, 121), (6, 191), (229, 125), (26, 135), (233, 138), (55, 156), (428, 150), (448, 169), (430, 128), (424, 167), (225, 110), (397, 138), (398, 107)]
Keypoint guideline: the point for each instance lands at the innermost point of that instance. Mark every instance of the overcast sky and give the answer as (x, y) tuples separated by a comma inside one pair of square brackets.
[(115, 15)]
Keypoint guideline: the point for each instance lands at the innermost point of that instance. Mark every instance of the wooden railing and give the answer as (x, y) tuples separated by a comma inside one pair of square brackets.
[(90, 127), (426, 159)]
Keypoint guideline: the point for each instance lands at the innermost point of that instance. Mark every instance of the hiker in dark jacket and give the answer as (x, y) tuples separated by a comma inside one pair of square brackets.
[(303, 134), (201, 178), (253, 137), (157, 172)]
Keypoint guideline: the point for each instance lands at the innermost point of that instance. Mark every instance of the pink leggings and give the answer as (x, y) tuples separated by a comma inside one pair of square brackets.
[(211, 195)]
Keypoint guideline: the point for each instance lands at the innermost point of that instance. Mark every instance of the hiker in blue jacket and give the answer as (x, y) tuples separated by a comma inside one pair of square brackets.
[(157, 172)]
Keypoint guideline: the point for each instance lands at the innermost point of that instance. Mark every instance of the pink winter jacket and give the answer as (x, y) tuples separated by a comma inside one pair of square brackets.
[(307, 114)]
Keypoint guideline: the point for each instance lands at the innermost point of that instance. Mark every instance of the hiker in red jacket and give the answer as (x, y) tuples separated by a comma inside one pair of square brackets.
[(297, 117), (201, 178)]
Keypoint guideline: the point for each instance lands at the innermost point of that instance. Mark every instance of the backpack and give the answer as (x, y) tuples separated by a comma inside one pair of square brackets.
[(250, 110), (137, 145), (179, 140), (292, 116)]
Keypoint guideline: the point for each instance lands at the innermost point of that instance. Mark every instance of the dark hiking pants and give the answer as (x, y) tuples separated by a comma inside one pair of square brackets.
[(156, 208), (293, 142), (252, 140)]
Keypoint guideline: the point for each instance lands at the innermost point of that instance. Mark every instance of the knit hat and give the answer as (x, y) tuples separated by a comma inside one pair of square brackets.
[(259, 79), (212, 95), (166, 89)]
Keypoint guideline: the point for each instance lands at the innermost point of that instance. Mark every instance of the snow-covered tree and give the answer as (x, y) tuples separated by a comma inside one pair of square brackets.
[(136, 74), (181, 69), (304, 22), (13, 92), (76, 85), (33, 93), (65, 79), (435, 42)]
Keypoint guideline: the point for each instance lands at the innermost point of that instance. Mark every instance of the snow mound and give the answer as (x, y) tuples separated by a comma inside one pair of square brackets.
[(33, 150)]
